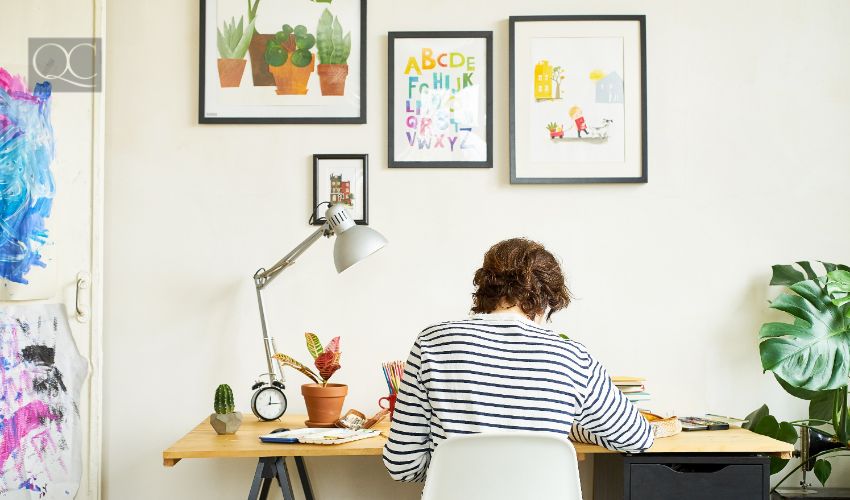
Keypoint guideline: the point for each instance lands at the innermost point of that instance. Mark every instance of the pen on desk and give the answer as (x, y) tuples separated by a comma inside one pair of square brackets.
[(731, 419)]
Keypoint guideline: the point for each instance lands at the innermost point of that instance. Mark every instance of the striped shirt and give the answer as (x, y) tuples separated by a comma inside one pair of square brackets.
[(503, 372)]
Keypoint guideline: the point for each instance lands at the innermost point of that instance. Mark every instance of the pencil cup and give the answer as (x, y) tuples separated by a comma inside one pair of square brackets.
[(390, 401)]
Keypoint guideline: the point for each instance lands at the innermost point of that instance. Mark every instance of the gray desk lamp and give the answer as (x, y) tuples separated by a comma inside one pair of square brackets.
[(353, 244)]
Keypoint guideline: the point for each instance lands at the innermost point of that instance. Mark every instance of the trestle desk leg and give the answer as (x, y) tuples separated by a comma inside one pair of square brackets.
[(283, 479), (269, 469), (305, 479)]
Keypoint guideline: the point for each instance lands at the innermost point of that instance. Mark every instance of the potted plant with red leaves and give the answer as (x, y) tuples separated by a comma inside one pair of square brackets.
[(323, 399)]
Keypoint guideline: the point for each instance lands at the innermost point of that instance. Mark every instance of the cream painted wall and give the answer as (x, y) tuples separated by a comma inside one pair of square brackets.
[(748, 159)]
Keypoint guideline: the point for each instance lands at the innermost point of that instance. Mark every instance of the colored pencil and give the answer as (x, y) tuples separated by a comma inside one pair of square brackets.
[(393, 373)]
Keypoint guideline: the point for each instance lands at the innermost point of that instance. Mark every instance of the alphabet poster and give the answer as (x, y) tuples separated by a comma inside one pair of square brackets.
[(440, 99)]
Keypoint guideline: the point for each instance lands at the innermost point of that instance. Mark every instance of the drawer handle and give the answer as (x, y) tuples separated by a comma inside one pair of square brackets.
[(695, 468)]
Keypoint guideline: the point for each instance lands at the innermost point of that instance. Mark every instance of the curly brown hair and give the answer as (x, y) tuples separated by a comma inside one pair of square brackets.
[(520, 272)]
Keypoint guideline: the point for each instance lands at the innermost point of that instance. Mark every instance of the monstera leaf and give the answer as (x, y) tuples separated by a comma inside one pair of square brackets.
[(762, 422), (838, 288), (822, 471), (813, 352)]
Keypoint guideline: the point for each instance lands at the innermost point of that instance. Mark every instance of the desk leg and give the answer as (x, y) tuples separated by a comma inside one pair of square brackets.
[(269, 468), (258, 480), (283, 479), (305, 480)]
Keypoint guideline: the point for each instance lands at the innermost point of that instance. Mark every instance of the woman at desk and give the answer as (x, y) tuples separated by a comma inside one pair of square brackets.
[(503, 370)]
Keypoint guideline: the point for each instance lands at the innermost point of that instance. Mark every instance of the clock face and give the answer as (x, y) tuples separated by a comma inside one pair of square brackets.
[(268, 403)]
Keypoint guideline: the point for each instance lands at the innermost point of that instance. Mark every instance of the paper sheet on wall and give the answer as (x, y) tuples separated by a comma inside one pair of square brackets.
[(27, 190), (41, 373)]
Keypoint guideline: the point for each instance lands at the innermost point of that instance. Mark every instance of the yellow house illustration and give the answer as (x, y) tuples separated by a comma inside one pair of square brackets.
[(543, 80)]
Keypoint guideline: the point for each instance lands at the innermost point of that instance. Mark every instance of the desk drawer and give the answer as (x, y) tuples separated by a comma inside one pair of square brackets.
[(680, 476), (695, 481)]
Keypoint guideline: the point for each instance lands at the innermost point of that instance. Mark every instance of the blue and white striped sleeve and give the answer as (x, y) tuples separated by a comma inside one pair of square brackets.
[(608, 418), (408, 452)]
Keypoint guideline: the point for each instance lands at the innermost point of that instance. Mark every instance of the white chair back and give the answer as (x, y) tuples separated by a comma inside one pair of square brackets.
[(504, 466)]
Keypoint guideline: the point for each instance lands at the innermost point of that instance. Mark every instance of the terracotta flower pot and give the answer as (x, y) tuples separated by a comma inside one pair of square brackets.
[(332, 78), (292, 80), (230, 72), (259, 68), (324, 404)]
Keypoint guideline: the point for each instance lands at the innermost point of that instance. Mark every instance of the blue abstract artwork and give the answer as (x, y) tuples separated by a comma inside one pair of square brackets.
[(26, 181)]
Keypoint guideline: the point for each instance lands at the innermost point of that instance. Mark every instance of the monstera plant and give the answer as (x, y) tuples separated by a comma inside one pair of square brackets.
[(810, 358)]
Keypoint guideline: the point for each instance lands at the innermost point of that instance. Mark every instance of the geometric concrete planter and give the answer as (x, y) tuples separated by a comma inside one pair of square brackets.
[(226, 423)]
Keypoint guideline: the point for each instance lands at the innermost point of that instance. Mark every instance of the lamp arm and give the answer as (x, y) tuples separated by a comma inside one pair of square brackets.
[(264, 276)]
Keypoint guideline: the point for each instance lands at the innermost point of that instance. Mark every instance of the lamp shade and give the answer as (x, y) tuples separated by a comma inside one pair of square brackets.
[(353, 243)]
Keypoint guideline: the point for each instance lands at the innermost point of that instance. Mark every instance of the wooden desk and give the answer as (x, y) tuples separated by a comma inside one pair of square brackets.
[(203, 442)]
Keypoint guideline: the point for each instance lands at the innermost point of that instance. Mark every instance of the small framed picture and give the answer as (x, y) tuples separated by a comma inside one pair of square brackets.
[(282, 62), (341, 178), (440, 99), (577, 99)]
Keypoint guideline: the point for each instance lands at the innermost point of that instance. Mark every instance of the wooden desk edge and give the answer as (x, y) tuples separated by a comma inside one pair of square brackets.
[(765, 446), (168, 460)]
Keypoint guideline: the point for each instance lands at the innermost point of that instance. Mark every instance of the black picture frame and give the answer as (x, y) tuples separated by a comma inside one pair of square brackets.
[(396, 35), (514, 179), (318, 212), (202, 114)]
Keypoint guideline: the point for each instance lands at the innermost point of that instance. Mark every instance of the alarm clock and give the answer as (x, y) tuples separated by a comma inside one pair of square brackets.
[(268, 401)]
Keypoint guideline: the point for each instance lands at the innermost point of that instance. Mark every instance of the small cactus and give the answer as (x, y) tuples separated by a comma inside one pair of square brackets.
[(224, 400)]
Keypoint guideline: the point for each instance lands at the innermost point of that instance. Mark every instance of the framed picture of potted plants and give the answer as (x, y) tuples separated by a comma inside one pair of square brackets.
[(267, 61), (341, 178), (577, 99), (440, 99)]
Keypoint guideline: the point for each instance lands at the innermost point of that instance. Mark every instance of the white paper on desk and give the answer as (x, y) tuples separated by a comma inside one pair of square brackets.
[(337, 436)]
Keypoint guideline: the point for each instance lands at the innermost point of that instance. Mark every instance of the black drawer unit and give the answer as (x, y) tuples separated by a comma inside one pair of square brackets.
[(680, 477)]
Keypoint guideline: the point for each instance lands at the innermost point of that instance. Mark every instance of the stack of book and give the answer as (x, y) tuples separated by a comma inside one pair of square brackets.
[(634, 389)]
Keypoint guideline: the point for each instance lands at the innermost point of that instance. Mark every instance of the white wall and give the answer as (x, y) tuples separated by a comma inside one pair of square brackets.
[(748, 166)]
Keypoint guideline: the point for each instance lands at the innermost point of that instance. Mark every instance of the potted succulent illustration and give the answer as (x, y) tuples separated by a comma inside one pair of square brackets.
[(555, 130), (257, 49), (334, 49), (233, 40), (225, 420), (324, 400), (290, 60)]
